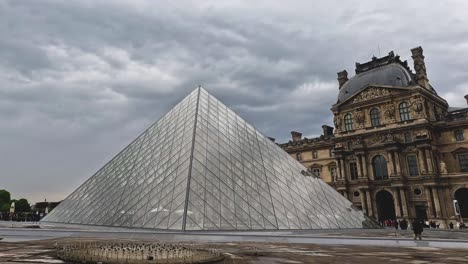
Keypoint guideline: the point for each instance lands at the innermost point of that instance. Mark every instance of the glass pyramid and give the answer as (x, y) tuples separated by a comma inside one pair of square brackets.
[(202, 167)]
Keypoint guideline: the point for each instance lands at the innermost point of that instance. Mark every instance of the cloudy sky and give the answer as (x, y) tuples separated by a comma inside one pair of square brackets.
[(80, 79)]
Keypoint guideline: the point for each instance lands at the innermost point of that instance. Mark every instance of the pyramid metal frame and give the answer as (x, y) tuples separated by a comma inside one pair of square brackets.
[(202, 167)]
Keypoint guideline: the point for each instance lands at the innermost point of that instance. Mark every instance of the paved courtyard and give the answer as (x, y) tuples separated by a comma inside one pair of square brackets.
[(24, 244), (42, 251)]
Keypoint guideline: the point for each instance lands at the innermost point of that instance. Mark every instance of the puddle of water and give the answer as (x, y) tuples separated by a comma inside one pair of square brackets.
[(42, 260), (276, 260), (426, 248), (318, 255)]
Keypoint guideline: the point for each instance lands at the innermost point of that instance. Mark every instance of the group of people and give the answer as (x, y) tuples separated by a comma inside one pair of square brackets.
[(434, 224), (403, 224), (460, 225), (417, 225)]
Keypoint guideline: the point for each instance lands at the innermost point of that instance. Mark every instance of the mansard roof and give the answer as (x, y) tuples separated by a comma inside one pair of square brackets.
[(388, 71)]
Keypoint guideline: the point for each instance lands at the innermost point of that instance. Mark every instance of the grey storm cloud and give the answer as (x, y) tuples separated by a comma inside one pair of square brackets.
[(80, 79)]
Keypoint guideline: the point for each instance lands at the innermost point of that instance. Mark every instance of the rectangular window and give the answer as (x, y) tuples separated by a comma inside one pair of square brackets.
[(353, 170), (459, 135), (316, 171), (463, 159), (413, 168)]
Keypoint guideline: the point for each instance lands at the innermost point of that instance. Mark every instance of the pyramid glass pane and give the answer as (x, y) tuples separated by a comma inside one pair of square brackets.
[(202, 167)]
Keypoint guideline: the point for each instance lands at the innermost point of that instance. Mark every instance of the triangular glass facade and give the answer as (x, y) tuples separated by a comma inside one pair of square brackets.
[(202, 167)]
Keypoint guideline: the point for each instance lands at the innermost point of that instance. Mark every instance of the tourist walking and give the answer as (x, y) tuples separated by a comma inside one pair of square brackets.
[(417, 229)]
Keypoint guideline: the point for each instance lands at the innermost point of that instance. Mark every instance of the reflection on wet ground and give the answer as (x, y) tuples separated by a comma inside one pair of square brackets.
[(43, 251)]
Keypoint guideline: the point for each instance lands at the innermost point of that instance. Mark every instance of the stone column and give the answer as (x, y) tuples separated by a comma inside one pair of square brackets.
[(426, 167), (390, 163), (421, 162), (430, 163), (361, 167), (427, 193), (366, 170), (436, 202), (358, 163), (404, 204), (344, 174), (397, 162), (369, 203), (374, 207), (363, 201), (397, 202), (338, 169)]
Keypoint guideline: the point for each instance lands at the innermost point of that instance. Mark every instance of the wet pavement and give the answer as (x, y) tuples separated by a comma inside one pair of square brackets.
[(361, 237), (43, 251), (36, 245)]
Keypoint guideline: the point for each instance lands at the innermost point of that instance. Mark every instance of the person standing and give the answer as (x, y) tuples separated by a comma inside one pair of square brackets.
[(417, 229), (403, 224), (451, 225)]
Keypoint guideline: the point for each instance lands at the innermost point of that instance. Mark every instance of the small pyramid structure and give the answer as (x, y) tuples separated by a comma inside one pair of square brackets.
[(202, 167)]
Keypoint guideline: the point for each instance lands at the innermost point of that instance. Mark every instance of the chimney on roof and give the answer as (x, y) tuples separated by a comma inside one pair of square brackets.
[(466, 98), (327, 130), (296, 136), (342, 77), (420, 67)]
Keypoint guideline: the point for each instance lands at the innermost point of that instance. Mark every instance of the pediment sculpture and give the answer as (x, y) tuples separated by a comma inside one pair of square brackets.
[(371, 93)]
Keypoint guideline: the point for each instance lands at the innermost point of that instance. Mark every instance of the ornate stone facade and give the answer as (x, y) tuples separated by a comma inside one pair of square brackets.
[(398, 150)]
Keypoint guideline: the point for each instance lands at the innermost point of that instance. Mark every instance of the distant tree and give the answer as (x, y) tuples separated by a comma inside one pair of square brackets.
[(5, 199), (5, 208), (22, 205)]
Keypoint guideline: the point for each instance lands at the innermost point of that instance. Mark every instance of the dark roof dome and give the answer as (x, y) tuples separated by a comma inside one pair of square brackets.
[(388, 70)]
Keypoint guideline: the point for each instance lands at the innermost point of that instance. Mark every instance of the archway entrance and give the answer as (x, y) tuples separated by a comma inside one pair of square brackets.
[(461, 195), (385, 206)]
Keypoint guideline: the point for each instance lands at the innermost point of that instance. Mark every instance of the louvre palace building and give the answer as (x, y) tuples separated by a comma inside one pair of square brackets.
[(397, 149)]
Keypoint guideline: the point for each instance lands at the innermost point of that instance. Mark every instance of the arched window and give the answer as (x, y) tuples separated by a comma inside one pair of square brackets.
[(404, 111), (314, 154), (348, 122), (375, 117), (379, 164)]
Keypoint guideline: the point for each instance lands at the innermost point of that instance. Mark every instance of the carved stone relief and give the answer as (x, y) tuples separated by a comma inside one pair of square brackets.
[(371, 94), (376, 138), (418, 106), (443, 167), (337, 122), (360, 118), (389, 112)]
